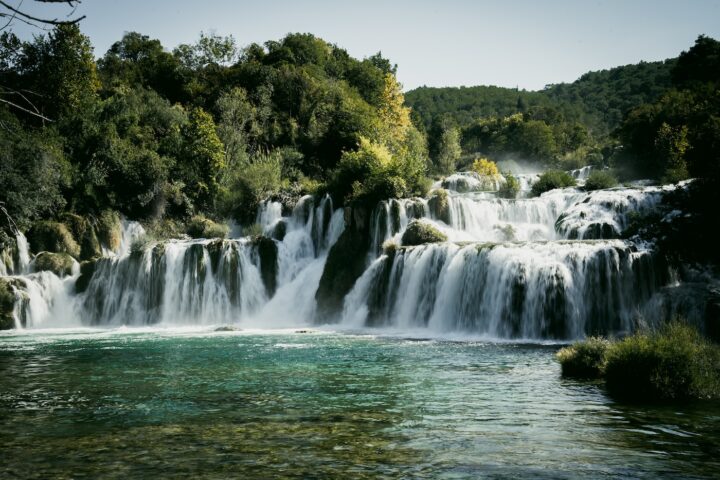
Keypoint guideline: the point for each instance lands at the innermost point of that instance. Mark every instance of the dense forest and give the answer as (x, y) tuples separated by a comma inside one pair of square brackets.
[(211, 129)]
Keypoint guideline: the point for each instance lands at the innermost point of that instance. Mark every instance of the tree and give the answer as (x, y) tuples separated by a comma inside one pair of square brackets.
[(449, 150), (61, 69), (202, 161), (671, 145), (18, 14)]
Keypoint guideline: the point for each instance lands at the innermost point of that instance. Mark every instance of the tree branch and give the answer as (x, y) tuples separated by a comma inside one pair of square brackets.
[(18, 13)]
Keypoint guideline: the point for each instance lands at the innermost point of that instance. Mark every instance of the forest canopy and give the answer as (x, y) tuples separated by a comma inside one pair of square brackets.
[(213, 128)]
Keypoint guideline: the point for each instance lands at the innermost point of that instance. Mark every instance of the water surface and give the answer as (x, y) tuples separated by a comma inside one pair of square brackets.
[(190, 404)]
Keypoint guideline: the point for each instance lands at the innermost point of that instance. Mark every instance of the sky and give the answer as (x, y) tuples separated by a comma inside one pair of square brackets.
[(522, 43)]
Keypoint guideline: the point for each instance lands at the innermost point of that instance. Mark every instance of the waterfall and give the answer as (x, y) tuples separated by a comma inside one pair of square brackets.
[(512, 290), (547, 267)]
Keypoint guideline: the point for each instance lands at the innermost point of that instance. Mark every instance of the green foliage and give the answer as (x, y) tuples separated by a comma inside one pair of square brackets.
[(600, 179), (678, 135), (33, 174), (552, 179), (584, 359), (510, 188), (420, 232), (448, 150), (202, 227), (245, 188), (202, 160), (674, 363), (61, 67)]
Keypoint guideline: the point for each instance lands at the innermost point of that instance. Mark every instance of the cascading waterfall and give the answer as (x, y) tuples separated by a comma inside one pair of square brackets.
[(548, 267)]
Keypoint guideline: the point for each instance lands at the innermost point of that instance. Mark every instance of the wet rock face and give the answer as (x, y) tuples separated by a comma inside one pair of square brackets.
[(345, 263), (267, 251)]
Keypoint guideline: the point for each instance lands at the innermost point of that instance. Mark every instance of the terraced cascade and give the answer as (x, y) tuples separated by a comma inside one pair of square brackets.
[(546, 267)]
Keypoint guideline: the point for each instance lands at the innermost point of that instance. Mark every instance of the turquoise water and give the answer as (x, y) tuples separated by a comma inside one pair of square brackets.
[(183, 404)]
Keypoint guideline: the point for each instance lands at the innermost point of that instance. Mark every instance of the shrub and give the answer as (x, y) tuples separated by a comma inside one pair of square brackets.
[(483, 166), (600, 179), (202, 227), (510, 188), (552, 179), (674, 363), (584, 359), (419, 232)]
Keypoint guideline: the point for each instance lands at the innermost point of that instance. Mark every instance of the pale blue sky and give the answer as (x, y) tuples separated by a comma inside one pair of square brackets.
[(450, 43)]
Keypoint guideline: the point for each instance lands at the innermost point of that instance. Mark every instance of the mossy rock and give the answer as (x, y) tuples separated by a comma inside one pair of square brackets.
[(60, 264), (202, 227), (87, 270), (7, 303), (54, 237), (84, 232), (419, 233), (109, 230), (267, 252), (439, 206)]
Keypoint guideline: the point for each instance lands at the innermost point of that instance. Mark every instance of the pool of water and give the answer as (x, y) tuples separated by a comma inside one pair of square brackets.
[(194, 404)]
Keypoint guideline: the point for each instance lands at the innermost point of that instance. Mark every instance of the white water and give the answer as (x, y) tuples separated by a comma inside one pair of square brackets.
[(550, 267)]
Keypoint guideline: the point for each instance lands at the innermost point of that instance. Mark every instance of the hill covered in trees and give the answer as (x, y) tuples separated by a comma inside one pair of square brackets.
[(566, 124), (213, 129)]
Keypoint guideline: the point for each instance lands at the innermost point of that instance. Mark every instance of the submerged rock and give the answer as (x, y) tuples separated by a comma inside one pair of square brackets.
[(228, 328), (60, 264), (419, 232)]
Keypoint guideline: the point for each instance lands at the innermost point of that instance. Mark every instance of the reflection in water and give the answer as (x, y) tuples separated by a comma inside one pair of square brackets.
[(281, 405)]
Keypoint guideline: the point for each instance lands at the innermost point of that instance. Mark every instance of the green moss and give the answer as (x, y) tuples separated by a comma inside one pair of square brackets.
[(60, 264), (439, 206), (109, 229), (420, 232), (675, 363), (584, 359), (202, 227), (55, 237), (84, 232)]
